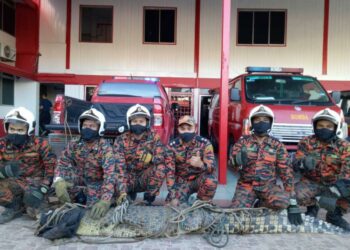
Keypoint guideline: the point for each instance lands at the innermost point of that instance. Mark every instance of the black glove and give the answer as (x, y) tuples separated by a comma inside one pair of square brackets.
[(294, 213), (309, 163), (341, 189), (10, 169), (149, 198), (242, 157), (35, 196)]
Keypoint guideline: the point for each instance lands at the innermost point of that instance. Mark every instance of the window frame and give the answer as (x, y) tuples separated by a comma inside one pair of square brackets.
[(267, 44), (144, 21), (80, 21), (11, 5), (9, 77)]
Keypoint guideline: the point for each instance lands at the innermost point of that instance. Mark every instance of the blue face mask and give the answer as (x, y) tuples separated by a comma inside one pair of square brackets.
[(325, 134), (89, 135), (186, 137), (138, 129), (261, 128)]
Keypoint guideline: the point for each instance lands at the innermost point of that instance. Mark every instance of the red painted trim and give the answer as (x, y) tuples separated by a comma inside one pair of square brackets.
[(32, 3), (12, 70), (185, 82), (27, 38), (225, 61), (325, 38), (2, 132), (95, 6), (143, 26), (263, 45), (197, 26), (68, 32), (330, 85)]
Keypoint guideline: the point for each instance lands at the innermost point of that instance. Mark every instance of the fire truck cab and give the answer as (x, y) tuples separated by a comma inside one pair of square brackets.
[(293, 97)]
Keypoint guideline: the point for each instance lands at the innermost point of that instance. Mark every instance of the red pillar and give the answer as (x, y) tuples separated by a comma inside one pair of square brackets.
[(225, 59), (27, 36), (325, 38)]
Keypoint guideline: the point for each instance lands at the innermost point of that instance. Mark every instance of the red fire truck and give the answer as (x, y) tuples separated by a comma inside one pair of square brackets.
[(293, 97)]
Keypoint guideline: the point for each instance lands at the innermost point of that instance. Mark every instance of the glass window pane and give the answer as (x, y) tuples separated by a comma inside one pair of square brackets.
[(151, 23), (245, 27), (96, 24), (7, 91), (277, 27), (9, 19), (167, 25), (129, 89), (261, 24)]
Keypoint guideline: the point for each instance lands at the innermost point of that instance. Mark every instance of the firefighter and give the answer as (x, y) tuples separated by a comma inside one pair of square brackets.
[(324, 162), (192, 166), (260, 158), (88, 171), (26, 166), (142, 154)]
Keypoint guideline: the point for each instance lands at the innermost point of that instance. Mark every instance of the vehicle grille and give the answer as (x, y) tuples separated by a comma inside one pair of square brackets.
[(291, 133)]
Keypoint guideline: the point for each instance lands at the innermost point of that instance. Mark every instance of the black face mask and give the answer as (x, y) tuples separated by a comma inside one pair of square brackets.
[(261, 128), (16, 139), (325, 134), (138, 129), (186, 137), (89, 135)]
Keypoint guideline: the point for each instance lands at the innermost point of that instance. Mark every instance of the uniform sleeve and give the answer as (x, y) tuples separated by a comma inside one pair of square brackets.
[(284, 169), (49, 161), (120, 165), (345, 162), (110, 176), (302, 151), (65, 163), (234, 151), (209, 158), (170, 165)]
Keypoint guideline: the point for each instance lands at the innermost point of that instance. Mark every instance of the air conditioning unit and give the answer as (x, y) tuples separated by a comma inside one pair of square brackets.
[(7, 53)]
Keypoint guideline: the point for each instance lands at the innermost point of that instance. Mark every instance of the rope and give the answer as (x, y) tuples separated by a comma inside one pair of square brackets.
[(119, 212)]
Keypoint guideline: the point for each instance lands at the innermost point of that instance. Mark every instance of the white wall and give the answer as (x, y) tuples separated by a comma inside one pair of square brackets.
[(76, 91), (303, 45), (25, 88), (52, 36), (128, 55), (339, 41)]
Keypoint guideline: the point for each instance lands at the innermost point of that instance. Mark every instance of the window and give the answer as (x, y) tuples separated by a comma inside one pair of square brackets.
[(261, 27), (96, 24), (238, 84), (7, 16), (159, 25), (129, 89), (7, 87), (284, 89)]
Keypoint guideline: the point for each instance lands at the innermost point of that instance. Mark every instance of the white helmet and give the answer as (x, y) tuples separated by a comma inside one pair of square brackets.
[(20, 115), (261, 110), (329, 115), (137, 110), (93, 114)]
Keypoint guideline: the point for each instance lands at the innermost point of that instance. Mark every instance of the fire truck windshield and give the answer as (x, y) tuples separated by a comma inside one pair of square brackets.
[(285, 89)]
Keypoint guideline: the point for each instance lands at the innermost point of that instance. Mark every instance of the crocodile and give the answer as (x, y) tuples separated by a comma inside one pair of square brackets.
[(140, 222)]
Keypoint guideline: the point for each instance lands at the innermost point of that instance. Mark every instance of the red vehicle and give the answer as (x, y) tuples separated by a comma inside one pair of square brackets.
[(293, 97), (113, 98)]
